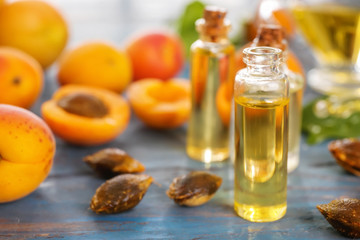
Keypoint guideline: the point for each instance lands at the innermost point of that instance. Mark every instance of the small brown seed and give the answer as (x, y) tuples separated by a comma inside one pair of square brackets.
[(347, 154), (194, 189), (83, 104), (120, 193), (110, 162), (343, 215)]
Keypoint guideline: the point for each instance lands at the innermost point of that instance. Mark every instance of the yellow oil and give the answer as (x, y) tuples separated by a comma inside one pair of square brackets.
[(260, 158), (332, 30), (208, 132), (295, 118)]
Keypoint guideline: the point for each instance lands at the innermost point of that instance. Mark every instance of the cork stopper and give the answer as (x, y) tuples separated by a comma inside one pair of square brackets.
[(213, 24), (270, 35)]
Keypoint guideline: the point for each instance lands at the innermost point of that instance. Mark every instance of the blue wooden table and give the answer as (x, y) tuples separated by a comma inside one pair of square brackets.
[(59, 208)]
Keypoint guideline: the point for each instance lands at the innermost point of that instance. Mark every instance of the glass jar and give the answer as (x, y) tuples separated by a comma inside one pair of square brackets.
[(261, 95)]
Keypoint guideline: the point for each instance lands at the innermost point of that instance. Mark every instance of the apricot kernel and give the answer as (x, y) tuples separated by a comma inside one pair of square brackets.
[(83, 104)]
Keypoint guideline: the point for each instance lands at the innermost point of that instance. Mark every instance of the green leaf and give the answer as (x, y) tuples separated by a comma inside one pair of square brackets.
[(319, 128), (186, 23)]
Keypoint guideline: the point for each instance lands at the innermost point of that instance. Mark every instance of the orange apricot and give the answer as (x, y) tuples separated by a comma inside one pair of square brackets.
[(96, 64), (21, 78), (86, 115), (27, 148), (35, 27), (156, 55), (161, 104)]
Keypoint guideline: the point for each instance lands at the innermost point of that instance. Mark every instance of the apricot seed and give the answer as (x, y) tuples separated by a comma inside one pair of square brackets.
[(84, 105)]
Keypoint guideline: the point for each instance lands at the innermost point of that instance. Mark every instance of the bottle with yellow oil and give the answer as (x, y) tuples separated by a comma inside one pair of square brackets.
[(261, 136), (212, 81)]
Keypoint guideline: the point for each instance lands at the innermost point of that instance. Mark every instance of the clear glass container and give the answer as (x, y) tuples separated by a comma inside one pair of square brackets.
[(212, 78), (332, 30), (261, 95)]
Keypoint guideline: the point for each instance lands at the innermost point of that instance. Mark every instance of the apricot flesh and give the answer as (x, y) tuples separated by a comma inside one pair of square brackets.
[(27, 148), (84, 130), (161, 104)]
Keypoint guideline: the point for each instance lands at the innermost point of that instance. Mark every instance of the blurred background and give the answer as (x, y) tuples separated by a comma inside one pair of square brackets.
[(116, 20)]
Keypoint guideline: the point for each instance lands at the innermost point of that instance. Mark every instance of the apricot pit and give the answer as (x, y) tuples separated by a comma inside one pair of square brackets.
[(84, 105)]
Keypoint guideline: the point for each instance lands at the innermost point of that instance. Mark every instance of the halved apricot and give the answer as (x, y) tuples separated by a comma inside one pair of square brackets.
[(161, 104), (86, 115)]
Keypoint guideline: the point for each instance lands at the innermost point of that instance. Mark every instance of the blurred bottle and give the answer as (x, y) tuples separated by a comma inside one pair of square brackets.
[(271, 11), (212, 78)]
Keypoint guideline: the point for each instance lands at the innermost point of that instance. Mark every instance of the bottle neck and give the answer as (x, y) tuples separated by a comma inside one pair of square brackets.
[(221, 39), (256, 69), (263, 60)]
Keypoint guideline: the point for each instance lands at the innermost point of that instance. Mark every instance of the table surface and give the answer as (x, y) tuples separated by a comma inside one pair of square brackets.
[(59, 208)]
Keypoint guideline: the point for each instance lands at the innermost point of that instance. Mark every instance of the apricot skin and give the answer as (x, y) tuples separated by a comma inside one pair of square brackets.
[(27, 148), (21, 78), (34, 27), (96, 64), (160, 104), (85, 131), (156, 55)]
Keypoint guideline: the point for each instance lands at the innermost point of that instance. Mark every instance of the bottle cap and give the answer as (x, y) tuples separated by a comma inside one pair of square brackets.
[(271, 35), (213, 24)]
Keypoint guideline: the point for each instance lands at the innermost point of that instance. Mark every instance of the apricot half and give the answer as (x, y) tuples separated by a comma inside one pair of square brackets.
[(161, 104), (85, 115)]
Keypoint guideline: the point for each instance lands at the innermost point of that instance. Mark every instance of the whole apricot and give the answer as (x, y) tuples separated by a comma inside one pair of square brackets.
[(96, 64), (85, 115), (161, 104), (27, 148), (35, 27), (21, 78), (156, 55)]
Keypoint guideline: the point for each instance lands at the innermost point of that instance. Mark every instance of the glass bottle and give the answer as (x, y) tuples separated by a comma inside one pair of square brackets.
[(212, 78), (261, 95), (273, 36)]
